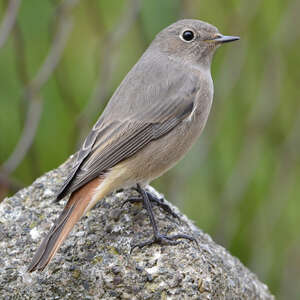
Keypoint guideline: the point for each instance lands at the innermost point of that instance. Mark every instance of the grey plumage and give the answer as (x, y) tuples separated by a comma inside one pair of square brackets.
[(155, 96), (151, 121)]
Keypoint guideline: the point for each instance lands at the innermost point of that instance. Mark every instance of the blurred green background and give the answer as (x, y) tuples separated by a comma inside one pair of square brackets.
[(60, 61)]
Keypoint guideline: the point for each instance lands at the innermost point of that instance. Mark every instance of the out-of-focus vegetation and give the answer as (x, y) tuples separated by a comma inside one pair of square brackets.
[(60, 62)]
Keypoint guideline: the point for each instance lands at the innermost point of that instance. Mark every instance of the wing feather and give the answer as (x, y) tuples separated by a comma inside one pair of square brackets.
[(118, 135)]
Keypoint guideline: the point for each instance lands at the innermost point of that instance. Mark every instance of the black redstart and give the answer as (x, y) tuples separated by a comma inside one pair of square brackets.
[(150, 122)]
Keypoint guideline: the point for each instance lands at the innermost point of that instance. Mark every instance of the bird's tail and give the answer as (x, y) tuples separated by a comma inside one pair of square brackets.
[(73, 211)]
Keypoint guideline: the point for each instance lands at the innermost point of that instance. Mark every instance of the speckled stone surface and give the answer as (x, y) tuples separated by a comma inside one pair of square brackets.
[(95, 261)]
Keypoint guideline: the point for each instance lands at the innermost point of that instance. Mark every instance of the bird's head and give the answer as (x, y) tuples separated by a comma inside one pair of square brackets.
[(191, 40)]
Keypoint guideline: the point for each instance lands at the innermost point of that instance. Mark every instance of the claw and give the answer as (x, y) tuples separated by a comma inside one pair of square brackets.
[(160, 202), (154, 200), (164, 240), (158, 238), (131, 201)]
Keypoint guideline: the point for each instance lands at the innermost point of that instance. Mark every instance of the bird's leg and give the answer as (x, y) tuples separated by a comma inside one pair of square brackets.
[(158, 237), (154, 200)]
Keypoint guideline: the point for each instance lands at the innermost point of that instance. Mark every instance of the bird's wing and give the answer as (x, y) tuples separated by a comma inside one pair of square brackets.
[(121, 132)]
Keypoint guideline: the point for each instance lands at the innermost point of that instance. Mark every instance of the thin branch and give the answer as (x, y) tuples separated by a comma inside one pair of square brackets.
[(32, 91), (58, 45), (9, 20), (30, 127), (107, 65), (21, 67), (20, 55), (23, 75), (259, 117)]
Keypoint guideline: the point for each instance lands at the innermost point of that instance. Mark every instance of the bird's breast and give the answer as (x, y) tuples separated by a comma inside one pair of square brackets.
[(161, 154)]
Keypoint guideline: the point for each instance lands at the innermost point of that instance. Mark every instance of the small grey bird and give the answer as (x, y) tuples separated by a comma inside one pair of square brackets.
[(150, 122)]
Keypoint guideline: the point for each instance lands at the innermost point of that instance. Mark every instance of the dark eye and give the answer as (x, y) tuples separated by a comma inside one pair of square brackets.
[(188, 35)]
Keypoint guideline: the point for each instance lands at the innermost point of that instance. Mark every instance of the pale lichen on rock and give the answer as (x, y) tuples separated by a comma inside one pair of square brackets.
[(95, 260)]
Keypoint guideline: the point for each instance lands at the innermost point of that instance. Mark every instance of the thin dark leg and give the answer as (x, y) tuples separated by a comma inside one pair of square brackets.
[(160, 202), (154, 200), (158, 237)]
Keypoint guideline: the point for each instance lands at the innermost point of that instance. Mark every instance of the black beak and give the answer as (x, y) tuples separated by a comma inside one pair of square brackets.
[(226, 38)]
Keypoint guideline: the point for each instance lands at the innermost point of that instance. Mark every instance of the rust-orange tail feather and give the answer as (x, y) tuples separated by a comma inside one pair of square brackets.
[(72, 212)]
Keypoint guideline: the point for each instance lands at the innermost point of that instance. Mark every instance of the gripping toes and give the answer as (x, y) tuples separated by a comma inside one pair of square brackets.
[(164, 240), (154, 200)]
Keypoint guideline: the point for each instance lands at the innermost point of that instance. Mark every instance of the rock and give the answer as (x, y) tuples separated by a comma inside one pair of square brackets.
[(95, 261)]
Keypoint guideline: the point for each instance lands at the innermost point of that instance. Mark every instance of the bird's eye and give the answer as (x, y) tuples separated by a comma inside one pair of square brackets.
[(188, 36)]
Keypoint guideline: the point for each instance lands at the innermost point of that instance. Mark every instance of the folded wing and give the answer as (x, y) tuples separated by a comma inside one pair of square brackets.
[(127, 126)]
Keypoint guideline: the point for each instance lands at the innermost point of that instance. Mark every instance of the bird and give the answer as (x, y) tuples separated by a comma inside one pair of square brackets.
[(150, 122)]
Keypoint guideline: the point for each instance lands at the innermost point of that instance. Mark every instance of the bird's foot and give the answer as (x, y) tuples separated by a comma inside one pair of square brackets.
[(153, 200), (158, 238), (164, 240)]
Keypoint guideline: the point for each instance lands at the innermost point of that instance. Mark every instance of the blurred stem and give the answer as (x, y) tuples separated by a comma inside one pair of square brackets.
[(106, 66), (34, 86), (22, 73), (9, 20)]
